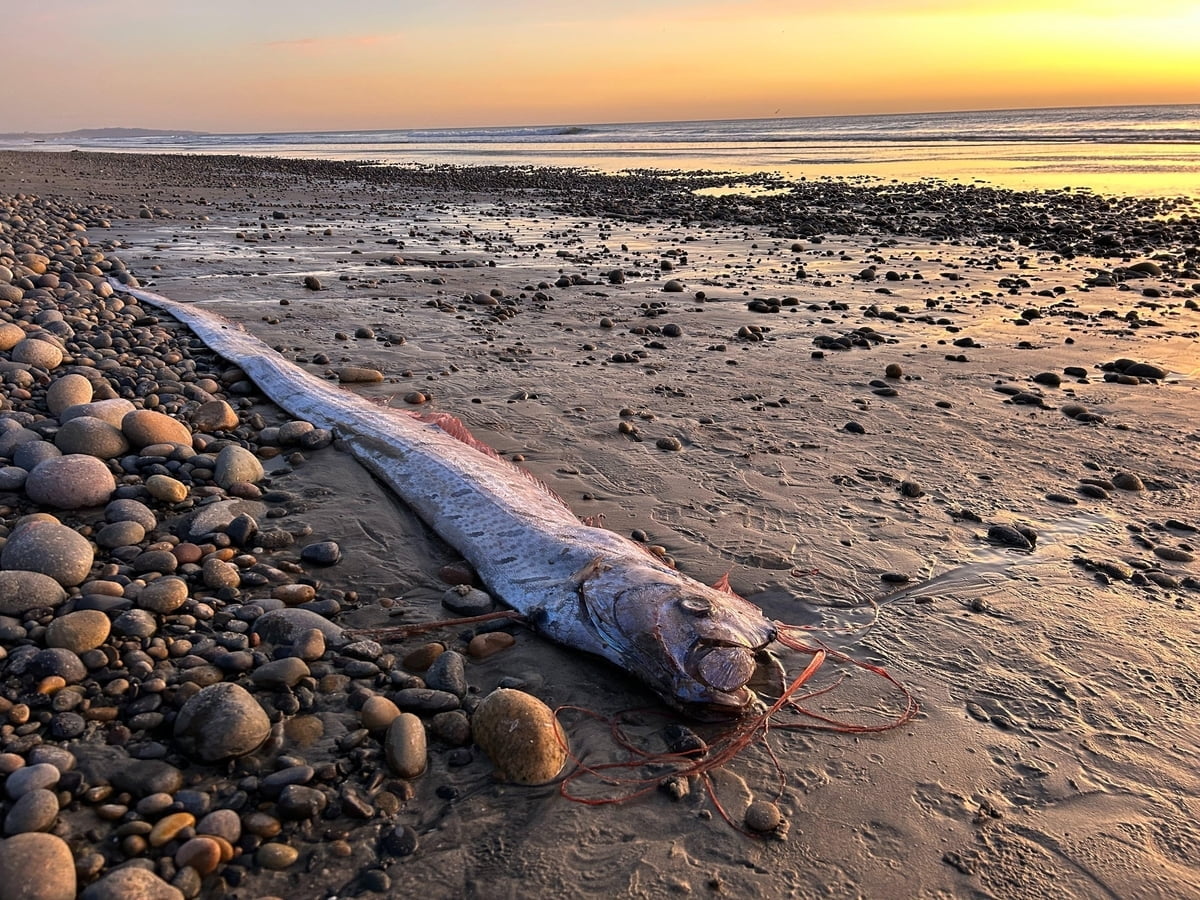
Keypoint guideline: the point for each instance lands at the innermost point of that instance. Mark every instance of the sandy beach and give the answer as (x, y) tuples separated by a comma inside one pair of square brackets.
[(951, 429)]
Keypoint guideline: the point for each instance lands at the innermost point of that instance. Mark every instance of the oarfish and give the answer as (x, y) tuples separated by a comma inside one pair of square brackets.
[(583, 586)]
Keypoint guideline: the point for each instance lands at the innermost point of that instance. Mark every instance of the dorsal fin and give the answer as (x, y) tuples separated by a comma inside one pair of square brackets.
[(722, 585), (454, 427), (457, 429)]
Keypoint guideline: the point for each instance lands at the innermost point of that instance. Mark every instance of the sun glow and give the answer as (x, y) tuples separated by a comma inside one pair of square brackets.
[(228, 66)]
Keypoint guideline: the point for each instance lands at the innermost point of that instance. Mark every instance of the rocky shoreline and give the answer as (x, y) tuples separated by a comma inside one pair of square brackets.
[(182, 710)]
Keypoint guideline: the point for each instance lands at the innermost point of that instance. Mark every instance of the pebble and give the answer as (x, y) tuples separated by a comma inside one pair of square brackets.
[(276, 855), (309, 645), (298, 801), (21, 591), (1173, 554), (1127, 481), (425, 700), (423, 657), (763, 816), (484, 645), (111, 411), (377, 713), (1009, 536), (202, 853), (35, 810), (31, 778), (68, 390), (72, 481), (405, 746), (281, 673), (222, 823), (79, 631), (131, 883), (467, 601), (448, 674), (213, 416), (520, 735), (453, 727), (163, 595), (120, 534), (91, 436), (286, 626), (165, 488), (168, 828), (126, 510), (35, 352), (36, 866), (143, 427), (237, 464), (358, 375), (221, 721), (322, 553), (50, 548)]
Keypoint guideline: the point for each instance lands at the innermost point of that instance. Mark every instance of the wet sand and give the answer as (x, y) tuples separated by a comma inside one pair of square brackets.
[(1054, 750)]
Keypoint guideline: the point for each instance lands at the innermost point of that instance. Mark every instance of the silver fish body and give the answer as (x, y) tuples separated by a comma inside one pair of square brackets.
[(585, 587)]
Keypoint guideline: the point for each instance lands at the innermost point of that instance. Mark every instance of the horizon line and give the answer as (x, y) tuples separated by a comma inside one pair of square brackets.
[(561, 124)]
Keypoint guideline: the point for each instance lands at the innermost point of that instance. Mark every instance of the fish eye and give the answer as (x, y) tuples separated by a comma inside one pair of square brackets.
[(697, 606)]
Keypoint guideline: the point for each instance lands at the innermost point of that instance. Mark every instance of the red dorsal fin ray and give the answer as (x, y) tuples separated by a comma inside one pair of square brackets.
[(455, 427), (722, 585)]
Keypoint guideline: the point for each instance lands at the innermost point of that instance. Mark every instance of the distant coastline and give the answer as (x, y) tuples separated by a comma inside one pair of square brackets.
[(1126, 150)]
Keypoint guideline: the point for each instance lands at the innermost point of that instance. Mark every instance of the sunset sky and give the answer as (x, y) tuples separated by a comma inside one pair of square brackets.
[(262, 65)]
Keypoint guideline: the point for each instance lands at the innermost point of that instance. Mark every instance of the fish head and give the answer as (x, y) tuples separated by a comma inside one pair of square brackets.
[(695, 645)]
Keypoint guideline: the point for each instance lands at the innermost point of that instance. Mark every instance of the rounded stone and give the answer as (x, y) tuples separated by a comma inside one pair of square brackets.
[(31, 778), (236, 464), (36, 810), (131, 511), (166, 489), (91, 436), (276, 856), (281, 673), (79, 631), (214, 415), (49, 548), (10, 334), (111, 411), (321, 553), (378, 713), (1128, 481), (520, 735), (30, 453), (202, 853), (131, 883), (12, 478), (145, 426), (308, 645), (58, 662), (217, 574), (358, 375), (405, 746), (294, 594), (489, 643), (69, 390), (120, 534), (22, 591), (222, 823), (74, 481), (762, 816), (36, 866), (286, 626), (163, 595), (37, 352), (221, 721), (167, 828)]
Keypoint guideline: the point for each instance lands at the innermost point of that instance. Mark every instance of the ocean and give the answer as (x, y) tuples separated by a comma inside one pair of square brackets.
[(1127, 150)]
